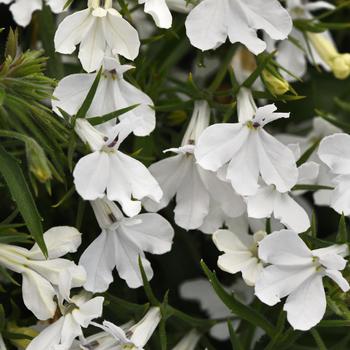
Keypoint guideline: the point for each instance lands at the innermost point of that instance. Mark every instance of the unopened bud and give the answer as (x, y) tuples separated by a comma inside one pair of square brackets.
[(337, 62), (276, 84), (37, 161)]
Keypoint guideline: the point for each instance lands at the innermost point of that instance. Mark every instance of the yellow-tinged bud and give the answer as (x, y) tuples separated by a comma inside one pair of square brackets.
[(277, 85), (25, 331), (339, 63), (37, 161)]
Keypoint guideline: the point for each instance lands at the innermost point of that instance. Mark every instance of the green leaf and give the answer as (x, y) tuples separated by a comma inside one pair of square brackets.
[(308, 187), (307, 154), (112, 115), (19, 190), (236, 345), (2, 318), (342, 236), (318, 340), (242, 311), (89, 97), (147, 287)]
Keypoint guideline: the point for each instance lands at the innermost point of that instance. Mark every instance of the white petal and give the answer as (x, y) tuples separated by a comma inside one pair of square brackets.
[(276, 282), (206, 25), (266, 114), (72, 30), (158, 9), (153, 234), (98, 261), (308, 173), (22, 10), (252, 271), (129, 177), (122, 38), (262, 203), (48, 338), (70, 330), (126, 260), (236, 261), (307, 304), (38, 295), (88, 311), (59, 241), (214, 220), (340, 200), (243, 169), (338, 278), (246, 107), (319, 5), (227, 241), (92, 48), (334, 151), (91, 175), (218, 143), (276, 162), (291, 214), (192, 200), (169, 173), (284, 247), (56, 5)]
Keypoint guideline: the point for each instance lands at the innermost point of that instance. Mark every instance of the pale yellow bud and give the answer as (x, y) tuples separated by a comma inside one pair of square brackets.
[(276, 85), (337, 62)]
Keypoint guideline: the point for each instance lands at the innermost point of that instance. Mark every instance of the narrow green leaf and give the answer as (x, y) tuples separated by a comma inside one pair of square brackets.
[(307, 154), (245, 312), (308, 187), (236, 345), (318, 340), (112, 115), (19, 189), (147, 287), (342, 236), (2, 318), (89, 97)]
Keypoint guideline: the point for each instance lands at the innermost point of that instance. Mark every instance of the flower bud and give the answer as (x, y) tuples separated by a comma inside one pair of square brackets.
[(199, 122), (337, 62), (275, 83), (37, 161)]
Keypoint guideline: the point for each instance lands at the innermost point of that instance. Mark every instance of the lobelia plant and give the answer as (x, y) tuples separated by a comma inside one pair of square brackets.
[(174, 174)]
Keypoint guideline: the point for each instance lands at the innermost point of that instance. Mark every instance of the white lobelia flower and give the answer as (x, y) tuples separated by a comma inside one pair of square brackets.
[(121, 243), (22, 10), (316, 48), (189, 341), (182, 6), (43, 280), (137, 336), (76, 314), (113, 93), (197, 191), (98, 30), (202, 291), (296, 271), (248, 150), (320, 129), (334, 152), (240, 253), (283, 206), (106, 169), (210, 23)]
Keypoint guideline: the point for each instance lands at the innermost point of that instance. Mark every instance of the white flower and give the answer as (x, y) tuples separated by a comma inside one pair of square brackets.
[(44, 279), (2, 343), (297, 272), (98, 30), (334, 152), (189, 341), (240, 253), (120, 244), (137, 336), (210, 23), (196, 190), (283, 206), (202, 291), (22, 10), (248, 150), (113, 93), (183, 6), (76, 314), (317, 48), (159, 11), (106, 169)]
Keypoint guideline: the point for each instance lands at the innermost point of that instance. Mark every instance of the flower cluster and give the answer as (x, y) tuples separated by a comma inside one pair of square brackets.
[(228, 174)]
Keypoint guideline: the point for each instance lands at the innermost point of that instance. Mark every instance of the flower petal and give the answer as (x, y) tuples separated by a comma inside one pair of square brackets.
[(306, 305), (91, 175), (338, 278), (22, 10), (159, 11), (98, 261), (88, 311), (227, 241)]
